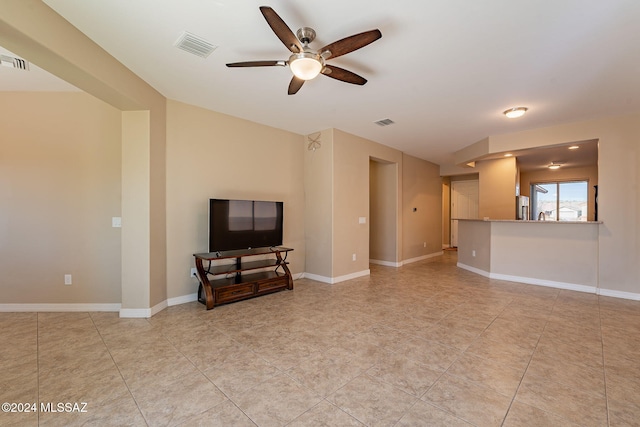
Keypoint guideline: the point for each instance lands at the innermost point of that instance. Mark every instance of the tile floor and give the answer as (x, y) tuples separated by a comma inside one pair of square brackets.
[(424, 345)]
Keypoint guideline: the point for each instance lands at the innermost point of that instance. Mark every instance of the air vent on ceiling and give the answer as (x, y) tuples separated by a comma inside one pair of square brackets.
[(11, 62), (194, 44), (384, 122)]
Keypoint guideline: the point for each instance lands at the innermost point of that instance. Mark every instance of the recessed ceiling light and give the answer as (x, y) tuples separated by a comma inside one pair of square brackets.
[(555, 165), (508, 155), (515, 112), (574, 147)]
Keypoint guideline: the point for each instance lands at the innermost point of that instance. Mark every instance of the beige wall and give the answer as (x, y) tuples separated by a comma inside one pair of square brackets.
[(421, 208), (383, 212), (136, 210), (60, 165), (351, 201), (554, 254), (212, 155), (446, 211), (589, 174), (350, 177), (497, 188), (318, 209), (618, 181), (475, 236), (34, 31)]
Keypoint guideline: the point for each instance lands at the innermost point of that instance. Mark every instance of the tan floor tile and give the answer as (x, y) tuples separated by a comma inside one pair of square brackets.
[(222, 415), (521, 415), (623, 414), (176, 402), (487, 372), (509, 354), (241, 373), (406, 374), (122, 412), (325, 373), (425, 414), (460, 337), (22, 388), (382, 336), (588, 356), (623, 385), (284, 354), (524, 334), (372, 402), (565, 401), (96, 389), (325, 414), (433, 317), (277, 401), (19, 419), (472, 402), (211, 353), (433, 355), (584, 378)]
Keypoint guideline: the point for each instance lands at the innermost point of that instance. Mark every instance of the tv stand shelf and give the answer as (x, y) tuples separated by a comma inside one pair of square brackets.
[(241, 286)]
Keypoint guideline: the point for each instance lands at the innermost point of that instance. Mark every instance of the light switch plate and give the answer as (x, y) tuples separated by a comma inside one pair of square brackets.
[(116, 222)]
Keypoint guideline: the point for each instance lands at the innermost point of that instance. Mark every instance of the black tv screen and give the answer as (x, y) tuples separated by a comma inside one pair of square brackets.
[(243, 224)]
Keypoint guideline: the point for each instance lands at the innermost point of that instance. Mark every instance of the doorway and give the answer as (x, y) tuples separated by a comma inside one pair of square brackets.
[(464, 204), (383, 212)]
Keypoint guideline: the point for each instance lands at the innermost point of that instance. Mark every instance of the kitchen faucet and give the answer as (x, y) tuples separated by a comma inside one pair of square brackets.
[(542, 216)]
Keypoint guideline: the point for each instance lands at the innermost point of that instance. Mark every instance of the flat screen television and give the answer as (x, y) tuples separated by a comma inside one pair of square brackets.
[(244, 224)]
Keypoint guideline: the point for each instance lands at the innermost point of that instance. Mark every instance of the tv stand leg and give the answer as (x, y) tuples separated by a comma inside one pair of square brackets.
[(286, 270), (238, 268), (206, 286)]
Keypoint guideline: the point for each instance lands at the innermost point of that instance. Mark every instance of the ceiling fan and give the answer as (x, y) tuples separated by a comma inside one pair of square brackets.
[(306, 63)]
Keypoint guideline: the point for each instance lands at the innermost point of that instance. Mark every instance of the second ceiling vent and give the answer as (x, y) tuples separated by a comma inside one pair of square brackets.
[(194, 44)]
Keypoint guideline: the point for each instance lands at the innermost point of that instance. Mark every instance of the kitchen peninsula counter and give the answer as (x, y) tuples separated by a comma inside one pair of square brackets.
[(560, 254)]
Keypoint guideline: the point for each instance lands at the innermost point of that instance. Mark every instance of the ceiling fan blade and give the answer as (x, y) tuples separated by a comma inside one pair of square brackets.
[(349, 44), (343, 75), (257, 64), (295, 85), (281, 29)]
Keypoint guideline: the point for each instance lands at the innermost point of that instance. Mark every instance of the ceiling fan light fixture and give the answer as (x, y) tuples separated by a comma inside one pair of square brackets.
[(306, 65), (515, 112)]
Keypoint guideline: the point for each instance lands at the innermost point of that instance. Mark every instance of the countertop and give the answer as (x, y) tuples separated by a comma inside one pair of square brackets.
[(528, 221)]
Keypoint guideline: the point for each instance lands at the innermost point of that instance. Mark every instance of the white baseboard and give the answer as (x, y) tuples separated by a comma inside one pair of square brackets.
[(548, 283), (58, 307), (406, 261), (619, 294), (385, 263), (332, 280), (554, 284), (422, 258), (182, 299), (473, 270), (135, 313)]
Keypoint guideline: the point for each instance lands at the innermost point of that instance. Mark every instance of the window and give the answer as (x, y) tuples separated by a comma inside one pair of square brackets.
[(560, 201)]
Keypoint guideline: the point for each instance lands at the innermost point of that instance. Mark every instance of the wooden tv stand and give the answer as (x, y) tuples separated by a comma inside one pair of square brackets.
[(237, 286)]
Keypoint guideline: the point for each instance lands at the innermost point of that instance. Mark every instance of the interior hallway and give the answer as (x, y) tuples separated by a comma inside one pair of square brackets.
[(425, 344)]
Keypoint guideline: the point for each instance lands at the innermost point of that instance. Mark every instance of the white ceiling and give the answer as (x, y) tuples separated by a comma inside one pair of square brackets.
[(443, 71)]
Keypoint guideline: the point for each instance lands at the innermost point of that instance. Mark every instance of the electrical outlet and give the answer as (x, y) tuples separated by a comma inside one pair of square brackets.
[(424, 244), (67, 279), (193, 272), (354, 257), (473, 253)]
